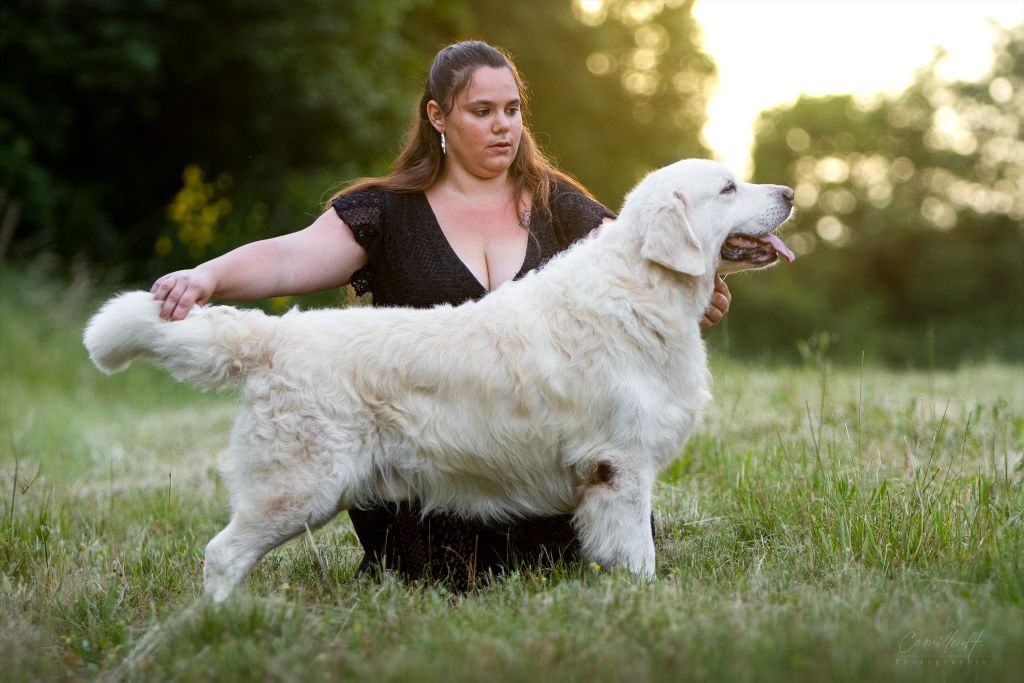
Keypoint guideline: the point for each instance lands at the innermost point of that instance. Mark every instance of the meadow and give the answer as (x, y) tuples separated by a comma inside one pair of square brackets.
[(825, 523)]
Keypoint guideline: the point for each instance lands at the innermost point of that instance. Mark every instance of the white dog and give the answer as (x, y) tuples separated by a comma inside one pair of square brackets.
[(566, 391)]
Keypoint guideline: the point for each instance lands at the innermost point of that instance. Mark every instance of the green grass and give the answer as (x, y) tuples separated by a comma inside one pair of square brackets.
[(824, 524)]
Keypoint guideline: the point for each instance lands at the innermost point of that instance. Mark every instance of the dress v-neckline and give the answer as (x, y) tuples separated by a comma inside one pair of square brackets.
[(458, 259)]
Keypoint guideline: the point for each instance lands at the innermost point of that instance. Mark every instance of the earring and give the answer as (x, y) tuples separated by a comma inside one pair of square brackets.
[(443, 151)]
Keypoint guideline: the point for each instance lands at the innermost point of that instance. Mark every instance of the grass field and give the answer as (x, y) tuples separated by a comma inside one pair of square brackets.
[(824, 524)]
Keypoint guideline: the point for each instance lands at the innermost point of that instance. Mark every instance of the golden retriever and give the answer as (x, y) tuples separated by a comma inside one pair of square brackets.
[(565, 391)]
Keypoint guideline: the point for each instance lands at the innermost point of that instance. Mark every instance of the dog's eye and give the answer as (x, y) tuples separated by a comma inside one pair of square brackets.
[(730, 188)]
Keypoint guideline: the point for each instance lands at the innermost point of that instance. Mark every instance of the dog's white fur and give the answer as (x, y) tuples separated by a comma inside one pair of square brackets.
[(566, 391)]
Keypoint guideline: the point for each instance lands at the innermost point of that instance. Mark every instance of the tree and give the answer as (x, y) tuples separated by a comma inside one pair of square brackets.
[(105, 105), (154, 133), (618, 87), (910, 213)]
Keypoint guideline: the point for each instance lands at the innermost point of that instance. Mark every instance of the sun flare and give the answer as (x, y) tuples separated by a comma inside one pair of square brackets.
[(769, 53)]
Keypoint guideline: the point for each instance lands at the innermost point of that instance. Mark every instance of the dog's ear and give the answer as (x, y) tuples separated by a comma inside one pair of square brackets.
[(671, 241)]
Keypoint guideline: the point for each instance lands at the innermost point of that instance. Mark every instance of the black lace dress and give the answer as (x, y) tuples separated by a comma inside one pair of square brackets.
[(412, 264)]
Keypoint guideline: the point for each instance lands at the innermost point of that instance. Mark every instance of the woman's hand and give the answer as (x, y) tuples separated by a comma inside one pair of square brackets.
[(183, 289), (720, 300)]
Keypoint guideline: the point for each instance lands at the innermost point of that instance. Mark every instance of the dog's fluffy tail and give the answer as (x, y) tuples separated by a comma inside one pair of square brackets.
[(212, 347)]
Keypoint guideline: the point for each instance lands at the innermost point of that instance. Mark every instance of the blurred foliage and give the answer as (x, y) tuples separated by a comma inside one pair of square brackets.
[(145, 135), (104, 104), (139, 136), (909, 222), (618, 88), (196, 210)]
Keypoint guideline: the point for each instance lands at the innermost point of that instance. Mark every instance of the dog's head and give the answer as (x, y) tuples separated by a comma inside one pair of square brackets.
[(695, 217)]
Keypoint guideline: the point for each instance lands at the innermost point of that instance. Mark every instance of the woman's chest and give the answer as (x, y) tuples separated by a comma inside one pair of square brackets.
[(423, 264), (487, 237)]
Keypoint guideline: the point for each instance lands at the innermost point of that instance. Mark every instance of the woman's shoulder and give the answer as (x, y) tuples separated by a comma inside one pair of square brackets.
[(373, 205), (569, 198), (574, 213), (370, 196), (563, 188)]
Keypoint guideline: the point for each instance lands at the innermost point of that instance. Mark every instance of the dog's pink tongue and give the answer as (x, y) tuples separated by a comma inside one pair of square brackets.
[(780, 247)]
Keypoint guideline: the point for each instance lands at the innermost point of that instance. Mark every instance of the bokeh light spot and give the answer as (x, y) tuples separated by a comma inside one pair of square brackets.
[(1001, 90), (833, 231), (599, 64), (798, 139)]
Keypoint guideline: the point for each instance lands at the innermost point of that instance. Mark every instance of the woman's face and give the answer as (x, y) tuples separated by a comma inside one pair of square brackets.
[(483, 129)]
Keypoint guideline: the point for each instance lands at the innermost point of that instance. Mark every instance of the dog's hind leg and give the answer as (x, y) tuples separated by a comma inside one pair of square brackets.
[(613, 520), (254, 531)]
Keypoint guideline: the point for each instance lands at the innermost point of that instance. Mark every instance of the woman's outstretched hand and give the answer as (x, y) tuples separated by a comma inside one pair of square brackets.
[(720, 300), (183, 289)]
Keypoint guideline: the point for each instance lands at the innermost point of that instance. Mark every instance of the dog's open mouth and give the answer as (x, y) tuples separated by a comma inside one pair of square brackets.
[(757, 251)]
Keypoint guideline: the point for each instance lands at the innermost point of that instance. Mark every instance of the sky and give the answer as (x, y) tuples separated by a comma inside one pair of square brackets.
[(769, 52)]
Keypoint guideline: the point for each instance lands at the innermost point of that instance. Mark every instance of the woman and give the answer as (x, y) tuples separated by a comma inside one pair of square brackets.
[(470, 204)]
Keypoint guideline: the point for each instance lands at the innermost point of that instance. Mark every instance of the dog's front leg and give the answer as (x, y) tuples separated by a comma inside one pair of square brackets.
[(613, 519)]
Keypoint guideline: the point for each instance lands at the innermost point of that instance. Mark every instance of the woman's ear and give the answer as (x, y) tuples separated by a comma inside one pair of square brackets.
[(435, 116)]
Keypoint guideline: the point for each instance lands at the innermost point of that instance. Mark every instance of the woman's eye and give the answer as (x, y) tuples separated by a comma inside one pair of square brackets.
[(729, 189), (480, 112), (512, 111)]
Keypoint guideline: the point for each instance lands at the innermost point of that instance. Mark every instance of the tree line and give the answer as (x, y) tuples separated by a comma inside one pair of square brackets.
[(910, 213), (145, 135), (139, 136)]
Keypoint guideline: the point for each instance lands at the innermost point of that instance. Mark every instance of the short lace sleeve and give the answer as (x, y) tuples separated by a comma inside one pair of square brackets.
[(363, 214), (574, 214)]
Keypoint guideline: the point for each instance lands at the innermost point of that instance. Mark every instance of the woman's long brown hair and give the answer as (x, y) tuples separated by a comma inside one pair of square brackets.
[(418, 166)]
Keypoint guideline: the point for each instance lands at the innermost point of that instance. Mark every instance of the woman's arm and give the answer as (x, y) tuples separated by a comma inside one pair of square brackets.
[(321, 256)]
